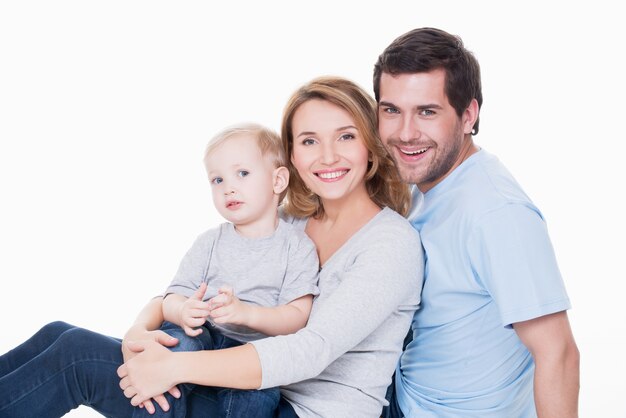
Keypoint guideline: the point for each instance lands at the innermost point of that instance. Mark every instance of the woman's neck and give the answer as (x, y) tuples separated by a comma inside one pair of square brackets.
[(341, 220)]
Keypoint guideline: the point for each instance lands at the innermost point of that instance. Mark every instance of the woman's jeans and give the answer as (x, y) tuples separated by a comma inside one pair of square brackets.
[(62, 367)]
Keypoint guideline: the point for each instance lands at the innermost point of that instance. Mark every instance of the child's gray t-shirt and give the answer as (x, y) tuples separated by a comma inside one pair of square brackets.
[(268, 271)]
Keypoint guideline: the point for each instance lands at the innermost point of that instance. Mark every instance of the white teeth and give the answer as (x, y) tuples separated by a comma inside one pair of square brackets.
[(332, 175), (419, 151)]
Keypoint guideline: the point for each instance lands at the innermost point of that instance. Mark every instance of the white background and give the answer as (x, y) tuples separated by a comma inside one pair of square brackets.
[(105, 108)]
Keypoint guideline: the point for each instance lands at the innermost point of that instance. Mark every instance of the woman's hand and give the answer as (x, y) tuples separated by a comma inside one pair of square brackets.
[(137, 334), (148, 374)]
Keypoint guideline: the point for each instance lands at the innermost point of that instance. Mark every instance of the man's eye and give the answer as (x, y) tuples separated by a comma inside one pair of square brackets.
[(216, 180), (243, 173), (427, 112), (390, 110)]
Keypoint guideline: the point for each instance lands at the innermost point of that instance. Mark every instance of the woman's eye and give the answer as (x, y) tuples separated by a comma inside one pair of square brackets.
[(216, 180), (243, 173), (308, 141), (346, 137)]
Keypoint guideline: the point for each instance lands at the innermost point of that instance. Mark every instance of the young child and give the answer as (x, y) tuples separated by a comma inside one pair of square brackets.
[(251, 277)]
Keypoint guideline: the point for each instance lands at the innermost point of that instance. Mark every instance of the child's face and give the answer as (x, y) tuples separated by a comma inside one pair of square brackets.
[(242, 181)]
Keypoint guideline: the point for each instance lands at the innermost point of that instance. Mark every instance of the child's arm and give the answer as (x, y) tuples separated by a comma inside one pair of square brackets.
[(226, 308), (188, 313)]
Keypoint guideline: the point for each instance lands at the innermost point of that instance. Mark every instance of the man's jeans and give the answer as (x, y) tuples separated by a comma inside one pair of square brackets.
[(62, 367)]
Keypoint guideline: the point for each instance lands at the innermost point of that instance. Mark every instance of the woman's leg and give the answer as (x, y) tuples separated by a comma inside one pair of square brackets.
[(32, 347), (79, 367)]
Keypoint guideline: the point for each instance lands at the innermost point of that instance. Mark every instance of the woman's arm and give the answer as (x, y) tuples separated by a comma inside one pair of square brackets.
[(376, 285), (237, 367)]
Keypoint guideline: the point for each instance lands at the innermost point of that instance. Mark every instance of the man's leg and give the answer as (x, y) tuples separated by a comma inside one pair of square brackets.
[(393, 410)]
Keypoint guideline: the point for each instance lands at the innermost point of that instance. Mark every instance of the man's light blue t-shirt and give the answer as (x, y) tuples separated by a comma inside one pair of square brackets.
[(489, 264)]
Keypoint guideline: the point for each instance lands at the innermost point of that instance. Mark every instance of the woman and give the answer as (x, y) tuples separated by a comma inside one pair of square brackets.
[(346, 194)]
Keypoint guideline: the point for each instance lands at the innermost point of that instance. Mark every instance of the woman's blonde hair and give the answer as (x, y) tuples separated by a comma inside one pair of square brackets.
[(383, 183)]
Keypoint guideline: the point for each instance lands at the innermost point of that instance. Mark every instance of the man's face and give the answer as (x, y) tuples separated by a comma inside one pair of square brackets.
[(420, 128)]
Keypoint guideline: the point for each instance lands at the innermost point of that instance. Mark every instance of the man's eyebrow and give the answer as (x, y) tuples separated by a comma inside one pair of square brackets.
[(418, 107), (388, 104)]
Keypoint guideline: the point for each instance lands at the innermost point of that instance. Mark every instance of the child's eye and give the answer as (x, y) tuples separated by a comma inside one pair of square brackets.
[(216, 180), (346, 137), (243, 173)]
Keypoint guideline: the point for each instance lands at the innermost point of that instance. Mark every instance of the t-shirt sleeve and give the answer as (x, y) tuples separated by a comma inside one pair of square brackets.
[(386, 275), (193, 267), (513, 258), (302, 268)]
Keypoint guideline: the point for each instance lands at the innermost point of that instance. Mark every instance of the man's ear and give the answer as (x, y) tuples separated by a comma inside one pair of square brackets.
[(469, 117), (281, 179)]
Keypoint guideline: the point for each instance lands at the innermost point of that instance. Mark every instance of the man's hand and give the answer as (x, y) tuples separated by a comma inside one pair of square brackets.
[(194, 312), (226, 308)]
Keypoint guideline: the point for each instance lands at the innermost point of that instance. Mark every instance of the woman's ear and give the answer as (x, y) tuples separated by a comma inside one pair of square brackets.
[(281, 179)]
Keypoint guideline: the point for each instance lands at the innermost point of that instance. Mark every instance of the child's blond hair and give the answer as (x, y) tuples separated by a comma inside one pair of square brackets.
[(269, 142)]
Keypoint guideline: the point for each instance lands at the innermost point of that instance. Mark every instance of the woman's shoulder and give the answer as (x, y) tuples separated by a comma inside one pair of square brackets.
[(390, 220), (389, 232)]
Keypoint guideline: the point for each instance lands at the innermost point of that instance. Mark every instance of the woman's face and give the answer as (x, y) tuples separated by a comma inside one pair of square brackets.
[(328, 150)]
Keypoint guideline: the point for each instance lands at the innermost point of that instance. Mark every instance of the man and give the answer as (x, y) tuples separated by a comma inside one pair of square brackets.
[(492, 338)]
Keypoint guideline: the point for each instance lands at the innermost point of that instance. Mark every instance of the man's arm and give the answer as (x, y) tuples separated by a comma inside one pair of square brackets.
[(550, 340)]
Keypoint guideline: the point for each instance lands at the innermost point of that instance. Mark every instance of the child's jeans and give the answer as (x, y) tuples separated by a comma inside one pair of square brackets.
[(231, 403)]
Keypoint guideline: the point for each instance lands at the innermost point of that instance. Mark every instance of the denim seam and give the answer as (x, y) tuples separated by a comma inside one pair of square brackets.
[(53, 376)]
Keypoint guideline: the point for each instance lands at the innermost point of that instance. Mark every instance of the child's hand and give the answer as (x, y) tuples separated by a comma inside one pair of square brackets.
[(226, 308), (194, 312)]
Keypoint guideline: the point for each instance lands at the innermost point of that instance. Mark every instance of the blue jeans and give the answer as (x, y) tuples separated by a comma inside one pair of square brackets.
[(231, 403), (393, 410), (62, 367)]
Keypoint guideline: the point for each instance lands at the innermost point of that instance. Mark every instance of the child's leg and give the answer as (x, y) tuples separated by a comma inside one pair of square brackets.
[(178, 407), (237, 403)]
